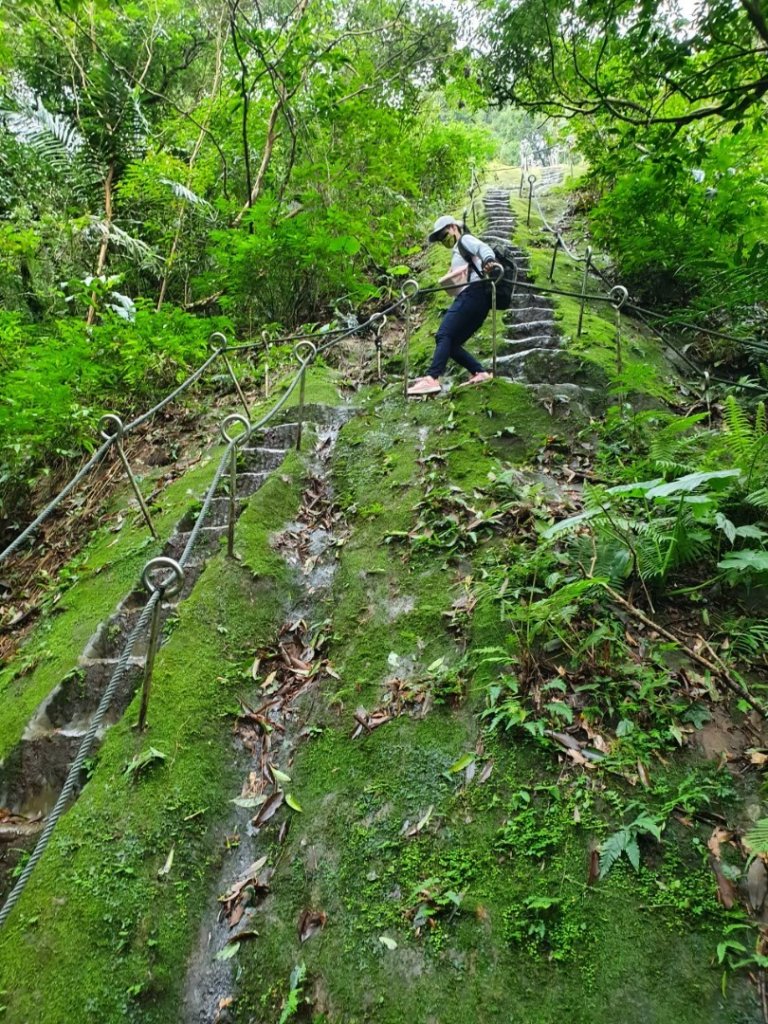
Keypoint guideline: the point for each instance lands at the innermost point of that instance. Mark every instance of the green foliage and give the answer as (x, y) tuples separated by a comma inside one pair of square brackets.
[(61, 379), (624, 842)]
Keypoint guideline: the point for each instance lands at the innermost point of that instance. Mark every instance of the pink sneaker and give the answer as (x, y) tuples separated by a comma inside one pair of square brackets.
[(424, 386), (477, 378)]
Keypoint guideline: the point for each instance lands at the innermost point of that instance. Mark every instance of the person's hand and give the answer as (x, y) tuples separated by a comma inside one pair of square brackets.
[(492, 268)]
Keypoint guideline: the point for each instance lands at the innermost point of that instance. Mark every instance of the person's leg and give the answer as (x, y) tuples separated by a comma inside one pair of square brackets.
[(465, 316), (449, 327), (474, 313)]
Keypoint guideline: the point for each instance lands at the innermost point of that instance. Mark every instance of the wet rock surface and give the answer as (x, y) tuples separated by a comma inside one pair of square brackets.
[(34, 772)]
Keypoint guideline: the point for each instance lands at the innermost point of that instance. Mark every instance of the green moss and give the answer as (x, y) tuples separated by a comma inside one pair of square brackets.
[(105, 572), (643, 361), (98, 935), (524, 930)]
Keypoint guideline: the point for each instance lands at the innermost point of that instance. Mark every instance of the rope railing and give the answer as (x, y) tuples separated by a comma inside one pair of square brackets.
[(587, 261), (220, 351), (306, 352)]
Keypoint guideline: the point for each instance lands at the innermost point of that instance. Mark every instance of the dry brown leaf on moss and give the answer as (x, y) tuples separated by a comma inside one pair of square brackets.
[(310, 923)]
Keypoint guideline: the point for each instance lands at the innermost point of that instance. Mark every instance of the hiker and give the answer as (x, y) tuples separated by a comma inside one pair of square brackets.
[(471, 259)]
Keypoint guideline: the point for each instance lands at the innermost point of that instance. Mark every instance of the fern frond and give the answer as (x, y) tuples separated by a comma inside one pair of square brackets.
[(739, 432), (139, 251), (757, 837), (182, 192)]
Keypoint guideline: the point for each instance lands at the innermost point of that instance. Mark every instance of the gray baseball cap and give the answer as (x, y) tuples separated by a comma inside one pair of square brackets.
[(440, 225)]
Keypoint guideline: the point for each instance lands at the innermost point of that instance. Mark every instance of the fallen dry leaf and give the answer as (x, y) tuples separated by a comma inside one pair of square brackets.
[(726, 890), (757, 884), (268, 809), (310, 923), (716, 840)]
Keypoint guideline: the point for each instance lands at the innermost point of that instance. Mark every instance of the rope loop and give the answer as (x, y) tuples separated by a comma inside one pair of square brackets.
[(171, 584), (410, 289), (217, 342), (619, 296), (302, 346), (111, 419), (230, 421)]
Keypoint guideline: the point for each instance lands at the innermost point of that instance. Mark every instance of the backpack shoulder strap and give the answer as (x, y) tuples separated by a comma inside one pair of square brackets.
[(468, 257)]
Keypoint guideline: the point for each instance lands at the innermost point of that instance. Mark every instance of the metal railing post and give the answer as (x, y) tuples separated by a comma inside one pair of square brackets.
[(494, 281), (165, 588), (266, 338), (619, 296), (221, 348), (234, 442), (312, 352), (531, 181), (587, 261), (409, 291), (378, 321), (551, 274), (116, 436)]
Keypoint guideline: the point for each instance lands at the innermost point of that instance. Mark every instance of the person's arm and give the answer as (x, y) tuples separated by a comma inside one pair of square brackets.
[(484, 254), (477, 247)]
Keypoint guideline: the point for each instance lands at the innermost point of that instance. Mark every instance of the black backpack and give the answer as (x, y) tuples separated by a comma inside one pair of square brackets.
[(503, 254)]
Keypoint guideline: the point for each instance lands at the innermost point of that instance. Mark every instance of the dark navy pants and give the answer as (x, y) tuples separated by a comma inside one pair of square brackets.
[(465, 315)]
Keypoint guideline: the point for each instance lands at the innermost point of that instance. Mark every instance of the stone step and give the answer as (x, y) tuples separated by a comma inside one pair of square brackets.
[(512, 345), (521, 326), (260, 459), (519, 315), (73, 703)]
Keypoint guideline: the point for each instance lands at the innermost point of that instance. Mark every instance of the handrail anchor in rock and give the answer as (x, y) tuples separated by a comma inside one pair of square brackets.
[(619, 296), (167, 587), (218, 343), (234, 443), (305, 361), (584, 280), (378, 321), (555, 250), (115, 435), (495, 278), (267, 343), (408, 292), (531, 183)]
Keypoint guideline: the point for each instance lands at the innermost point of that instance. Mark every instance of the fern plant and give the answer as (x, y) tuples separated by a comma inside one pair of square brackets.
[(652, 527)]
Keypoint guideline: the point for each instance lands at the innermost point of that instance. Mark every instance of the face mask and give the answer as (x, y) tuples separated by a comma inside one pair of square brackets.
[(448, 242)]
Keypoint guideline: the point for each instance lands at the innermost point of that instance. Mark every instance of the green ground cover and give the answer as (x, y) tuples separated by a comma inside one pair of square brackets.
[(101, 934), (454, 860)]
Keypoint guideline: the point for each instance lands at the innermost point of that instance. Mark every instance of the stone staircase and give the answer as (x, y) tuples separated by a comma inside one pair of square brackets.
[(33, 774)]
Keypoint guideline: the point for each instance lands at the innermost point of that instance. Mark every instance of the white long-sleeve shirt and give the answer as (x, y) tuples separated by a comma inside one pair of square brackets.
[(475, 247)]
